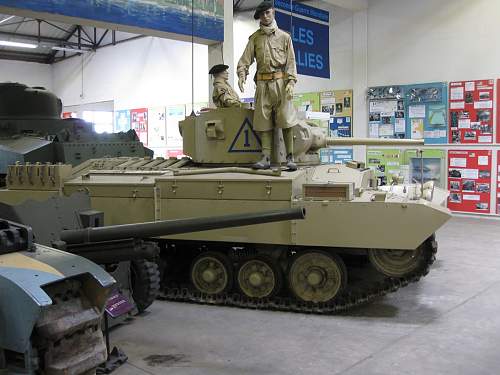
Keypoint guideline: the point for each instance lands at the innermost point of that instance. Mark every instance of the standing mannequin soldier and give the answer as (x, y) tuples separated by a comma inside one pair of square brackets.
[(223, 95), (276, 76)]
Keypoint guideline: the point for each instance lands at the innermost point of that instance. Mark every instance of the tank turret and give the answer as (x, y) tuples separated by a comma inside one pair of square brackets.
[(32, 130), (226, 136)]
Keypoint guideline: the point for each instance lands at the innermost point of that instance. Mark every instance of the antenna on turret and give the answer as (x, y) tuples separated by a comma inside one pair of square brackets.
[(192, 59)]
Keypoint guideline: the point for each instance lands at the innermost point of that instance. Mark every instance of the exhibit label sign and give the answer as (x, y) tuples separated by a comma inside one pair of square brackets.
[(309, 28), (163, 16)]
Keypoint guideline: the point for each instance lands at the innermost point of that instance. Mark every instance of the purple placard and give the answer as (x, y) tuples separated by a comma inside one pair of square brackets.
[(118, 305)]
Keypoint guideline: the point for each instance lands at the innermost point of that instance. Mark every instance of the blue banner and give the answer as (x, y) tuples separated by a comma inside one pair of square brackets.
[(311, 37), (170, 16)]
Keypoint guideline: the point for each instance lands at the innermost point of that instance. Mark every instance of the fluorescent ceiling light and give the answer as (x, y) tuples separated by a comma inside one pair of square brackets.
[(17, 44), (7, 19)]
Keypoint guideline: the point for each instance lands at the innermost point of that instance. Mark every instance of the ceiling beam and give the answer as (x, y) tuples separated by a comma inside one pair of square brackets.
[(45, 39), (23, 56)]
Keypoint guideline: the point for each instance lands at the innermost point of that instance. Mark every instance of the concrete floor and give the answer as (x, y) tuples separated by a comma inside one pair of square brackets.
[(449, 323)]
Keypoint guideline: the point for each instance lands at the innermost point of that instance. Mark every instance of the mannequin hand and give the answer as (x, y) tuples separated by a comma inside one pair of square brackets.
[(241, 84), (289, 90)]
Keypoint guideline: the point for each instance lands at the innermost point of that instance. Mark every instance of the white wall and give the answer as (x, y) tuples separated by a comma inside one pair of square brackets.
[(31, 74), (146, 72), (432, 40), (341, 51)]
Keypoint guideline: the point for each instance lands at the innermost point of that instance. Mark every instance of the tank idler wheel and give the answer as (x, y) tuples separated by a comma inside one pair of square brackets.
[(317, 276), (397, 263), (259, 277), (212, 273)]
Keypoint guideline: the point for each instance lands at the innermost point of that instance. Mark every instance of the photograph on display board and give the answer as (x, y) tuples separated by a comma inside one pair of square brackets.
[(386, 108), (139, 123), (469, 180), (386, 163), (433, 164), (426, 112), (471, 111)]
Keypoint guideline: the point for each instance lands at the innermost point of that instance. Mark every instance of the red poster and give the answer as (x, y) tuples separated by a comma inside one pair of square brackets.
[(498, 183), (469, 180), (139, 122), (498, 111), (471, 111)]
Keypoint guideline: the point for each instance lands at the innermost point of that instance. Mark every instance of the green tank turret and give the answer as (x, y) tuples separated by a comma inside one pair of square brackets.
[(32, 130)]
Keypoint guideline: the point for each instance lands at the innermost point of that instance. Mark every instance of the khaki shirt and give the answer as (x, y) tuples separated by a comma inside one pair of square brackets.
[(224, 95), (272, 52)]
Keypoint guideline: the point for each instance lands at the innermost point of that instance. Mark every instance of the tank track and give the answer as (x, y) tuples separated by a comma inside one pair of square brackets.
[(356, 294)]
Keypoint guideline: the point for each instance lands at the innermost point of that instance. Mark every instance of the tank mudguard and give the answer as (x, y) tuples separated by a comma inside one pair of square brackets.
[(22, 276)]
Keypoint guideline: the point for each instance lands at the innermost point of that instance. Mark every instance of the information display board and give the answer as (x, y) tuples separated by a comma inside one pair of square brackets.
[(498, 111), (157, 127), (338, 104), (175, 113), (139, 122), (432, 162), (498, 183), (386, 111), (306, 102), (386, 163), (426, 112), (471, 111), (122, 121), (469, 180), (335, 155)]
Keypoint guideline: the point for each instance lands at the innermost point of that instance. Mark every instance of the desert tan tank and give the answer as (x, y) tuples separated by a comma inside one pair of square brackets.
[(356, 243)]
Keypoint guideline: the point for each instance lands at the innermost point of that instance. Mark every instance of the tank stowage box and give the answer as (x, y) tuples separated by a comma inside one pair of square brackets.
[(357, 241)]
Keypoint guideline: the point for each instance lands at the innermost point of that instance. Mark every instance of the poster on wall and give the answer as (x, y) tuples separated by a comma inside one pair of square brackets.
[(471, 111), (426, 112), (498, 111), (307, 102), (498, 183), (139, 123), (338, 104), (469, 180), (175, 114), (122, 121), (310, 31), (340, 127), (386, 112), (335, 155), (431, 163), (157, 136), (386, 163)]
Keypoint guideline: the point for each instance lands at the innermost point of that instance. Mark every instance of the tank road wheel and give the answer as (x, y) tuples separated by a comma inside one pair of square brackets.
[(259, 277), (398, 263), (145, 281), (212, 273), (317, 276)]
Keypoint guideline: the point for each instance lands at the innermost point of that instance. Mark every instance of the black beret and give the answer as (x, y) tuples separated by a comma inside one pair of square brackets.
[(218, 69), (265, 5)]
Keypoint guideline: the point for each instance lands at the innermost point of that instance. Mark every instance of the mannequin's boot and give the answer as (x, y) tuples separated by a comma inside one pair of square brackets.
[(290, 164), (264, 163)]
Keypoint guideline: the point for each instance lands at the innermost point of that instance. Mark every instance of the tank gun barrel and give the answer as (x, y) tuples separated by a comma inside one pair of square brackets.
[(171, 227), (373, 142)]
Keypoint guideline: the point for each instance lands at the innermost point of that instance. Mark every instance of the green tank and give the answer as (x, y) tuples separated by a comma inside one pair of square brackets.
[(32, 130), (358, 241)]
